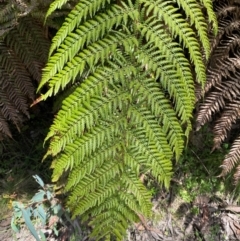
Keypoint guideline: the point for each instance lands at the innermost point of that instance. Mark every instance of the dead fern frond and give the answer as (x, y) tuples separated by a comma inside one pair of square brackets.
[(231, 159), (23, 53), (224, 123), (222, 90)]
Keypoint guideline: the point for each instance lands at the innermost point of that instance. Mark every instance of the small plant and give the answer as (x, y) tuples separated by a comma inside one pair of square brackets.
[(43, 215)]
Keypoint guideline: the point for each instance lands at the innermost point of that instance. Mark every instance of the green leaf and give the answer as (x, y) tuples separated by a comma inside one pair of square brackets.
[(39, 196), (38, 180), (42, 214), (30, 224), (14, 227)]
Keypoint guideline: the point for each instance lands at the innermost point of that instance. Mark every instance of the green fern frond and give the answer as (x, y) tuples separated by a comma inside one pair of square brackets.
[(170, 81), (156, 34), (197, 18), (78, 15), (178, 26), (208, 4), (131, 104), (86, 59), (57, 4)]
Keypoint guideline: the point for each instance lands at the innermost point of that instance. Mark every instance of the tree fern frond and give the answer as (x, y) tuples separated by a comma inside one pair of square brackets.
[(4, 129), (91, 163), (35, 37), (216, 101), (232, 158), (18, 68), (95, 53), (27, 56), (237, 174), (155, 33), (196, 16), (21, 78), (208, 4), (179, 27), (162, 109), (170, 81), (131, 106), (77, 15), (223, 88), (225, 9), (57, 4), (7, 13), (224, 124), (226, 27)]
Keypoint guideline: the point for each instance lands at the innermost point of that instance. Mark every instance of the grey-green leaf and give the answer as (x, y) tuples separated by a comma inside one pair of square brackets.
[(30, 225)]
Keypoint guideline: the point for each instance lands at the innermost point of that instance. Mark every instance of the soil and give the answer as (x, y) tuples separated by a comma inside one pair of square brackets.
[(6, 233)]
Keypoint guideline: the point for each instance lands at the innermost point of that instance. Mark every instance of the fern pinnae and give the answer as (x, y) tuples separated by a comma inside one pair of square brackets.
[(152, 127), (91, 86), (232, 158), (143, 197), (14, 94), (102, 175), (224, 124), (76, 16), (93, 199), (56, 4), (105, 153), (84, 116), (151, 153), (179, 27), (162, 109), (208, 4), (170, 80), (21, 47), (117, 203), (4, 128), (193, 11), (36, 37), (7, 14), (22, 78), (154, 32), (89, 57), (76, 152)]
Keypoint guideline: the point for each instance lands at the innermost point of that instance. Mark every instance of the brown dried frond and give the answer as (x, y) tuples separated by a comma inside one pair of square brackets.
[(229, 43), (219, 69), (213, 104), (223, 94), (227, 8), (23, 53), (232, 158), (222, 90), (4, 129), (224, 124), (228, 17), (236, 175)]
